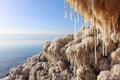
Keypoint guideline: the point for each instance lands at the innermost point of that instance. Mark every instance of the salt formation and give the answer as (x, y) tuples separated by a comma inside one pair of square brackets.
[(106, 12), (113, 74), (104, 15), (67, 58), (85, 73), (92, 53), (65, 9)]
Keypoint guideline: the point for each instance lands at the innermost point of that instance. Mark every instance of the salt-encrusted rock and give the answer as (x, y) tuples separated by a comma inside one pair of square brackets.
[(110, 45), (57, 69), (26, 70), (11, 70), (78, 40), (32, 75), (66, 39), (51, 70), (18, 70), (84, 32), (47, 44), (85, 73), (115, 56), (55, 50), (21, 77), (43, 58), (104, 64), (62, 65), (113, 74), (67, 58), (104, 75), (45, 66), (33, 60), (113, 38), (70, 44), (116, 70), (11, 78), (92, 59), (118, 49), (118, 36), (83, 51)]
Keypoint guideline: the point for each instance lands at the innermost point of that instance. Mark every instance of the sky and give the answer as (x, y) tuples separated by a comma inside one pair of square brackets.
[(34, 17)]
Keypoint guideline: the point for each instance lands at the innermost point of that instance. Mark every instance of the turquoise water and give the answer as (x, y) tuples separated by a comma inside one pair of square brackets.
[(14, 50)]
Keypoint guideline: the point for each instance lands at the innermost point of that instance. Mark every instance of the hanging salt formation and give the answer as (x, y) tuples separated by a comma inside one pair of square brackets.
[(75, 21), (78, 19), (95, 47), (95, 34), (104, 41), (75, 13), (65, 9), (70, 13), (103, 14)]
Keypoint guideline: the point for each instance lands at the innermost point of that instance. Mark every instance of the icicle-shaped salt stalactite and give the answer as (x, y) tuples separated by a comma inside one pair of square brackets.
[(113, 24), (75, 22), (78, 18), (70, 13), (109, 25), (65, 8), (103, 37), (105, 48), (75, 13), (95, 48), (97, 35)]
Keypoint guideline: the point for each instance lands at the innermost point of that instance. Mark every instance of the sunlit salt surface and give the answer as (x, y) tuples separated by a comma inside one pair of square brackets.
[(14, 50)]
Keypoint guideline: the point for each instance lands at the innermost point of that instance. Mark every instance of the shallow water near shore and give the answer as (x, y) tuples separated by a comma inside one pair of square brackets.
[(14, 50)]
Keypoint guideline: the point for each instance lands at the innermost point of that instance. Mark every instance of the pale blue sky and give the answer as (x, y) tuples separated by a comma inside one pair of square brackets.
[(34, 17)]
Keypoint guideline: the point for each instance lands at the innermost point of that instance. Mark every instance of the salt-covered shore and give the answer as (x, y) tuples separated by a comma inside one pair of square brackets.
[(72, 57)]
